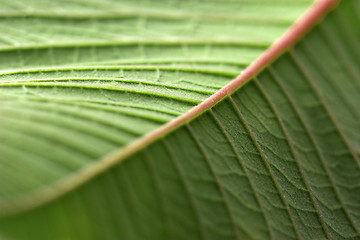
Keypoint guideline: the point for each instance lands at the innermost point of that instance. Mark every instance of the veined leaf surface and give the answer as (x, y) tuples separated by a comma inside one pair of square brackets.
[(81, 79), (276, 159)]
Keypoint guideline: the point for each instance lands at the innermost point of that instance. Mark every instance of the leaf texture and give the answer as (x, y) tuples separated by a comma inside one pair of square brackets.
[(82, 79), (277, 159)]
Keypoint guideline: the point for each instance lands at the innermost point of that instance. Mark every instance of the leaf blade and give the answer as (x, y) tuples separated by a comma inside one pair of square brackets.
[(292, 164)]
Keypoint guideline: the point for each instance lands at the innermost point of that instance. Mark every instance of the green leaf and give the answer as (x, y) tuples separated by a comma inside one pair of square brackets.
[(278, 158), (82, 79)]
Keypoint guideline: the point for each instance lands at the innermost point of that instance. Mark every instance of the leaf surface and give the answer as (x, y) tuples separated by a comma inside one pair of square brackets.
[(277, 159), (82, 79)]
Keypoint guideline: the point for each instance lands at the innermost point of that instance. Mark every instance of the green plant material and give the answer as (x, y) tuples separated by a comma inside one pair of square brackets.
[(279, 158), (81, 79)]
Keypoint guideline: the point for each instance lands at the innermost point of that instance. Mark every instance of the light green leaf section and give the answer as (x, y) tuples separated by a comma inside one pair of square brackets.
[(278, 159), (81, 79)]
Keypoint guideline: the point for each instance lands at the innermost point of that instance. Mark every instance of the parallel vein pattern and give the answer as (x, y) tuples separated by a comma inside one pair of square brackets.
[(278, 159), (81, 79)]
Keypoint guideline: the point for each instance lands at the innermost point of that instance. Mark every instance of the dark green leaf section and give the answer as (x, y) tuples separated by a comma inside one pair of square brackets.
[(278, 159)]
